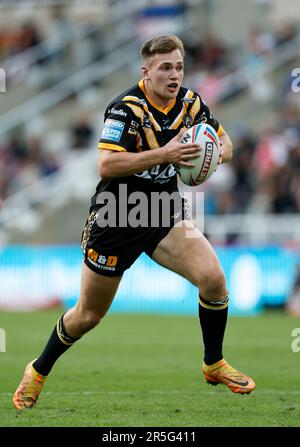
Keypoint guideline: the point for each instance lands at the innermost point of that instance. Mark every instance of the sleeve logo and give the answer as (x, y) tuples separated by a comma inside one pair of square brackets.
[(112, 130), (118, 112)]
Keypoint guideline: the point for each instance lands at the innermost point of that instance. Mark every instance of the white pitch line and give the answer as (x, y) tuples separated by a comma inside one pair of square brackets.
[(136, 393)]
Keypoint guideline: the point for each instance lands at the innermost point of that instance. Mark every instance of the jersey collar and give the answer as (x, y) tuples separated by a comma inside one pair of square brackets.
[(165, 110)]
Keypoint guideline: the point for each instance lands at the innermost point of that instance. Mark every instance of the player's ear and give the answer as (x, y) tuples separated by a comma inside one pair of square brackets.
[(145, 73)]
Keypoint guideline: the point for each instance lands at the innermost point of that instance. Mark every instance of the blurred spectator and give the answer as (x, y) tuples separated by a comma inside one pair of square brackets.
[(282, 199), (271, 152), (204, 60), (61, 30), (23, 161), (259, 42), (28, 37), (16, 39), (290, 123), (213, 53), (245, 176), (287, 31), (58, 33), (7, 42), (82, 133), (49, 164)]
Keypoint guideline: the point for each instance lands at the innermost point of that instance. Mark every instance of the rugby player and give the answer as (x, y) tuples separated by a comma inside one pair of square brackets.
[(139, 149)]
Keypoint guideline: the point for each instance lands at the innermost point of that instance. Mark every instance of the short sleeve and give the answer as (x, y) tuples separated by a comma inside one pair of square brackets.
[(205, 115), (117, 133)]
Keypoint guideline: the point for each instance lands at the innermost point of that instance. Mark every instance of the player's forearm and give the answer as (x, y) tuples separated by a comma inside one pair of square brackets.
[(226, 146), (121, 164)]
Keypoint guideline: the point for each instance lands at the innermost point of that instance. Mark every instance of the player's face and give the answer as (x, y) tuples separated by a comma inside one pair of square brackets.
[(163, 76)]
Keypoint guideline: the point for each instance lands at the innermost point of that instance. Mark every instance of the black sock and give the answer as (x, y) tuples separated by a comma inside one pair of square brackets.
[(213, 318), (58, 343)]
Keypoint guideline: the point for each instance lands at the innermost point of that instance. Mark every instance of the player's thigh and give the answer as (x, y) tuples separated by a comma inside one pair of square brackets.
[(186, 251), (97, 291)]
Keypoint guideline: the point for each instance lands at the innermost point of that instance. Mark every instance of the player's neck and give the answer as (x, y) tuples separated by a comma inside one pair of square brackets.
[(160, 102)]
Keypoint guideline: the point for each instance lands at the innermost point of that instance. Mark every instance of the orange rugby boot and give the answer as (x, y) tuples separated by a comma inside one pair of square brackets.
[(222, 372), (29, 389)]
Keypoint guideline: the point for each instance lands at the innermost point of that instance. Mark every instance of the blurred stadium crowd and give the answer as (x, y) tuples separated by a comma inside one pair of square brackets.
[(264, 174)]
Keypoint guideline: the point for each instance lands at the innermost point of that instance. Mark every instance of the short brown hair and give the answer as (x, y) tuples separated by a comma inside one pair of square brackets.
[(162, 44)]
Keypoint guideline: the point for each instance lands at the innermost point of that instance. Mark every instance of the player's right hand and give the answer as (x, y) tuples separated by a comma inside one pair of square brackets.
[(179, 153)]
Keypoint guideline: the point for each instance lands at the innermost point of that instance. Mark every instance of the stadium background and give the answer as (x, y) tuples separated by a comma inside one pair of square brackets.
[(63, 62)]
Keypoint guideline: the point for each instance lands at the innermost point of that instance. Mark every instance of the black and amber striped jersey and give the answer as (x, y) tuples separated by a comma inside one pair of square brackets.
[(134, 123)]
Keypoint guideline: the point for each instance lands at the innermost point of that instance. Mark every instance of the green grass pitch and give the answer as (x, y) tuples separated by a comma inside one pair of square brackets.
[(137, 370)]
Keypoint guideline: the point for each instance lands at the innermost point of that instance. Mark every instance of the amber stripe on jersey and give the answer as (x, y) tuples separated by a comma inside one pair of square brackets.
[(178, 120), (112, 147), (149, 133)]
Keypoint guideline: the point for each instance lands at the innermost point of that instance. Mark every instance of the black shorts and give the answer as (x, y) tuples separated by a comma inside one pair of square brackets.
[(110, 251)]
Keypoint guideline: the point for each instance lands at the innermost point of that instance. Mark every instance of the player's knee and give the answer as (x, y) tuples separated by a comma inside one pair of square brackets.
[(90, 319), (214, 286)]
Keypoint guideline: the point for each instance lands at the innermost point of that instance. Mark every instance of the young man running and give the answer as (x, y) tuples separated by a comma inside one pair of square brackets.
[(139, 149)]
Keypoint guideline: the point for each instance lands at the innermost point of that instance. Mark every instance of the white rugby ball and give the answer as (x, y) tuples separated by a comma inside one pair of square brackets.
[(207, 162)]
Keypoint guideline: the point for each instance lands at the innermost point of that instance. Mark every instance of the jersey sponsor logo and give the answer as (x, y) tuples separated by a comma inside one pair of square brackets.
[(101, 261), (118, 112), (134, 124), (157, 174), (113, 130)]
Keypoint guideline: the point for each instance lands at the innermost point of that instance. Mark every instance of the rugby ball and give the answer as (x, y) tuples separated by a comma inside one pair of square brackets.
[(207, 162)]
